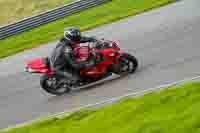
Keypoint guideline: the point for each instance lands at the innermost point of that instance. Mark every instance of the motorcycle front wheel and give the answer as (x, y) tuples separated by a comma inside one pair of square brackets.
[(129, 63), (53, 85)]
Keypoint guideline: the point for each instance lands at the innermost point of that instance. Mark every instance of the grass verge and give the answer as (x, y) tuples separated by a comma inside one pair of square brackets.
[(175, 110), (15, 10), (90, 18)]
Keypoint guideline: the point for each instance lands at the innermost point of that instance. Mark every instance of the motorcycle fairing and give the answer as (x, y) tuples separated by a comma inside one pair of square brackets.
[(38, 66)]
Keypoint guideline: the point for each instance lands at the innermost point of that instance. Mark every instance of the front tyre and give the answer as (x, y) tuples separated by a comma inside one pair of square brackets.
[(129, 63), (53, 85)]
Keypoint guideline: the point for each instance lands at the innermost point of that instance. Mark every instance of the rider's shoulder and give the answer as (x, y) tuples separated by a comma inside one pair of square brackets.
[(62, 39)]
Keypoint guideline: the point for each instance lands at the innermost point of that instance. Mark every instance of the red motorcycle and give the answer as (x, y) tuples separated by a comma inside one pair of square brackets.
[(109, 59)]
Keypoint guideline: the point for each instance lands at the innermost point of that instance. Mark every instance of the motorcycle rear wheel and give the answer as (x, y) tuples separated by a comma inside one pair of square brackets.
[(46, 81)]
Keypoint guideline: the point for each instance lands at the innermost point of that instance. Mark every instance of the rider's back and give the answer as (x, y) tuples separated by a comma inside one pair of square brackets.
[(57, 56)]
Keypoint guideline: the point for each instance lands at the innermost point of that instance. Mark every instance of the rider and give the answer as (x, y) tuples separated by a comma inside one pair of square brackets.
[(62, 59)]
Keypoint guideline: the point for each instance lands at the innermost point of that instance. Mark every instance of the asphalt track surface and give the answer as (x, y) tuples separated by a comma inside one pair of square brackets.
[(166, 42)]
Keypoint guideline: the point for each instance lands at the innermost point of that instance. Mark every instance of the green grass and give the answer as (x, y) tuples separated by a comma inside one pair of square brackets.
[(106, 13), (175, 110), (14, 10)]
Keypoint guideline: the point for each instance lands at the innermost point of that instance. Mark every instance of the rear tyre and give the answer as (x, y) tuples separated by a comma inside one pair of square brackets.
[(53, 86), (129, 62)]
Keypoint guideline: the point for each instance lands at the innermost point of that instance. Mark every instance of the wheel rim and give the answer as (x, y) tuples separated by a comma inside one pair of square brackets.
[(62, 89), (131, 66), (52, 83)]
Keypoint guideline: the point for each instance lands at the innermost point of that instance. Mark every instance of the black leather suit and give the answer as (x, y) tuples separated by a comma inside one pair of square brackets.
[(64, 63)]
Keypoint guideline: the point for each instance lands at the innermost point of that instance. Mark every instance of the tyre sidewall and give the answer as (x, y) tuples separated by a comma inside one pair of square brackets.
[(43, 83)]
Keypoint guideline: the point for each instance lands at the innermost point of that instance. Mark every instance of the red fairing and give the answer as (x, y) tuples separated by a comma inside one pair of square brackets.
[(38, 66), (95, 72), (110, 57)]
